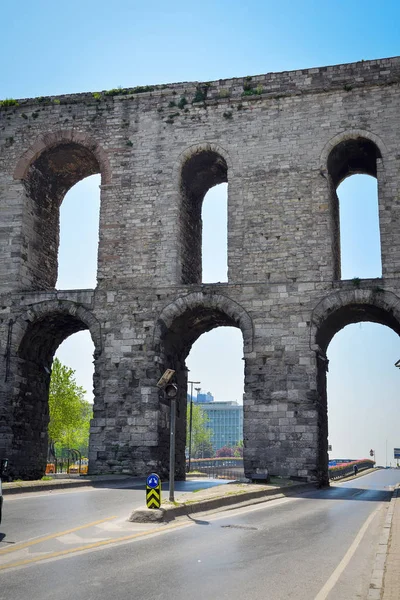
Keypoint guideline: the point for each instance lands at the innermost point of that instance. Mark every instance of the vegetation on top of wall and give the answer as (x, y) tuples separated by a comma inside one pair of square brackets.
[(8, 102), (249, 89), (201, 92), (182, 102), (43, 100), (356, 282), (140, 89)]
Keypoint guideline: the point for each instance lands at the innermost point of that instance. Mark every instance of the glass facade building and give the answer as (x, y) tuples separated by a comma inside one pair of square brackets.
[(225, 419)]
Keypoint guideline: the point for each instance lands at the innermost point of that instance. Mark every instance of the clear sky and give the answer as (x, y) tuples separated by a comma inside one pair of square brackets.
[(49, 47)]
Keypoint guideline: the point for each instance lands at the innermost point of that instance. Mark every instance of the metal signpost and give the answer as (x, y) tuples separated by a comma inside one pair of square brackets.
[(190, 422), (170, 392), (153, 491)]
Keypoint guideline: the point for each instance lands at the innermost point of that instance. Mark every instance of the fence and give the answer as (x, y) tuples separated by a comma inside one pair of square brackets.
[(232, 468), (343, 470), (218, 468)]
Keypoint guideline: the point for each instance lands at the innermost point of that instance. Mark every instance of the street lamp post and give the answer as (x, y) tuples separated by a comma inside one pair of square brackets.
[(190, 422)]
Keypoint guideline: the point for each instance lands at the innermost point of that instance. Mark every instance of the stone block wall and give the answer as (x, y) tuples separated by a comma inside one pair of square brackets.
[(283, 142)]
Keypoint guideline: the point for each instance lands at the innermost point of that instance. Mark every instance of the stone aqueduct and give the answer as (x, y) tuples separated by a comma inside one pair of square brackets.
[(283, 142)]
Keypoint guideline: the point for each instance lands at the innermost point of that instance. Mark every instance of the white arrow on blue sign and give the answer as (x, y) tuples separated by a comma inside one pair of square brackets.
[(153, 481)]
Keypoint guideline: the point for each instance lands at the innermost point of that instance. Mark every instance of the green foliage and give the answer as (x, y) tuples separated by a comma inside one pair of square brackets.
[(249, 89), (201, 93), (56, 101), (24, 116), (347, 87), (70, 413), (35, 115), (8, 102), (120, 91), (129, 143), (201, 435), (171, 104), (228, 114), (356, 282), (97, 96), (182, 102), (247, 85), (224, 93), (140, 89)]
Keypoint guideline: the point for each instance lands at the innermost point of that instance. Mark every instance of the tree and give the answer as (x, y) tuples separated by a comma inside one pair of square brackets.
[(201, 434), (238, 450), (70, 413), (224, 451)]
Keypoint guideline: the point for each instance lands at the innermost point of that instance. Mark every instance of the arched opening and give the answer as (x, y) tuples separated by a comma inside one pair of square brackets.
[(335, 320), (356, 241), (362, 392), (202, 171), (43, 337), (79, 235), (71, 401), (47, 180), (215, 361), (178, 334), (215, 235)]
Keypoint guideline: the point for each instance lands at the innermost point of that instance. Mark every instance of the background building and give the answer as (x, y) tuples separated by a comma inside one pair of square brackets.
[(225, 419), (204, 398)]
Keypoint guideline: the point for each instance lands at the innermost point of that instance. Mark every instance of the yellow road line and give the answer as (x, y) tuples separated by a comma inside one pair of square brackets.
[(93, 546), (51, 536)]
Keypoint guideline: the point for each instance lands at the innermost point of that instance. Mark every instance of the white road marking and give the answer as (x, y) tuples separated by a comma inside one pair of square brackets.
[(333, 579)]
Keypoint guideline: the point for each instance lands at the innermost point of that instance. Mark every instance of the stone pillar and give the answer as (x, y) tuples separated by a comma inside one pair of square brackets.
[(281, 423)]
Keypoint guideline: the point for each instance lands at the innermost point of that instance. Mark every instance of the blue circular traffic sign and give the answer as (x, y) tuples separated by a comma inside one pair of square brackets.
[(153, 480)]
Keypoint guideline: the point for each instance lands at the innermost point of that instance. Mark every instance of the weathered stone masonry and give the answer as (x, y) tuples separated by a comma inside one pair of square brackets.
[(283, 142)]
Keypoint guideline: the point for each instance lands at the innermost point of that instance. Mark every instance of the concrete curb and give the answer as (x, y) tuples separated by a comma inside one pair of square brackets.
[(378, 572), (25, 487), (234, 500)]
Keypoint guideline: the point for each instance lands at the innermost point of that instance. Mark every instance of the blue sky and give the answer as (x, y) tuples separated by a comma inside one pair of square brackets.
[(49, 47)]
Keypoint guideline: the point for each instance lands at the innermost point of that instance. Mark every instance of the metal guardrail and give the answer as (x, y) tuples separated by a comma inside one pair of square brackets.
[(219, 468), (352, 468)]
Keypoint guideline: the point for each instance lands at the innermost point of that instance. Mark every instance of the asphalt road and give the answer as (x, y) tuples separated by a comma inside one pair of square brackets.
[(316, 546), (34, 514)]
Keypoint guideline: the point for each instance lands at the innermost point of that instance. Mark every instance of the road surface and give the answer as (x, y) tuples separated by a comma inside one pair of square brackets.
[(319, 545)]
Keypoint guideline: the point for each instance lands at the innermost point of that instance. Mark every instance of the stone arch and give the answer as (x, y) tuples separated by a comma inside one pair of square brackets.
[(70, 312), (344, 307), (37, 333), (346, 135), (331, 314), (48, 170), (179, 325), (206, 303), (354, 152), (205, 146), (199, 168), (52, 139)]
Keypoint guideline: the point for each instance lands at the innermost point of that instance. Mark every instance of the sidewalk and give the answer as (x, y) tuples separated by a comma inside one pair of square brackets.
[(70, 481), (391, 575)]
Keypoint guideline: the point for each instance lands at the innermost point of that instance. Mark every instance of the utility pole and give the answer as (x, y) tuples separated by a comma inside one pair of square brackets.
[(191, 422)]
